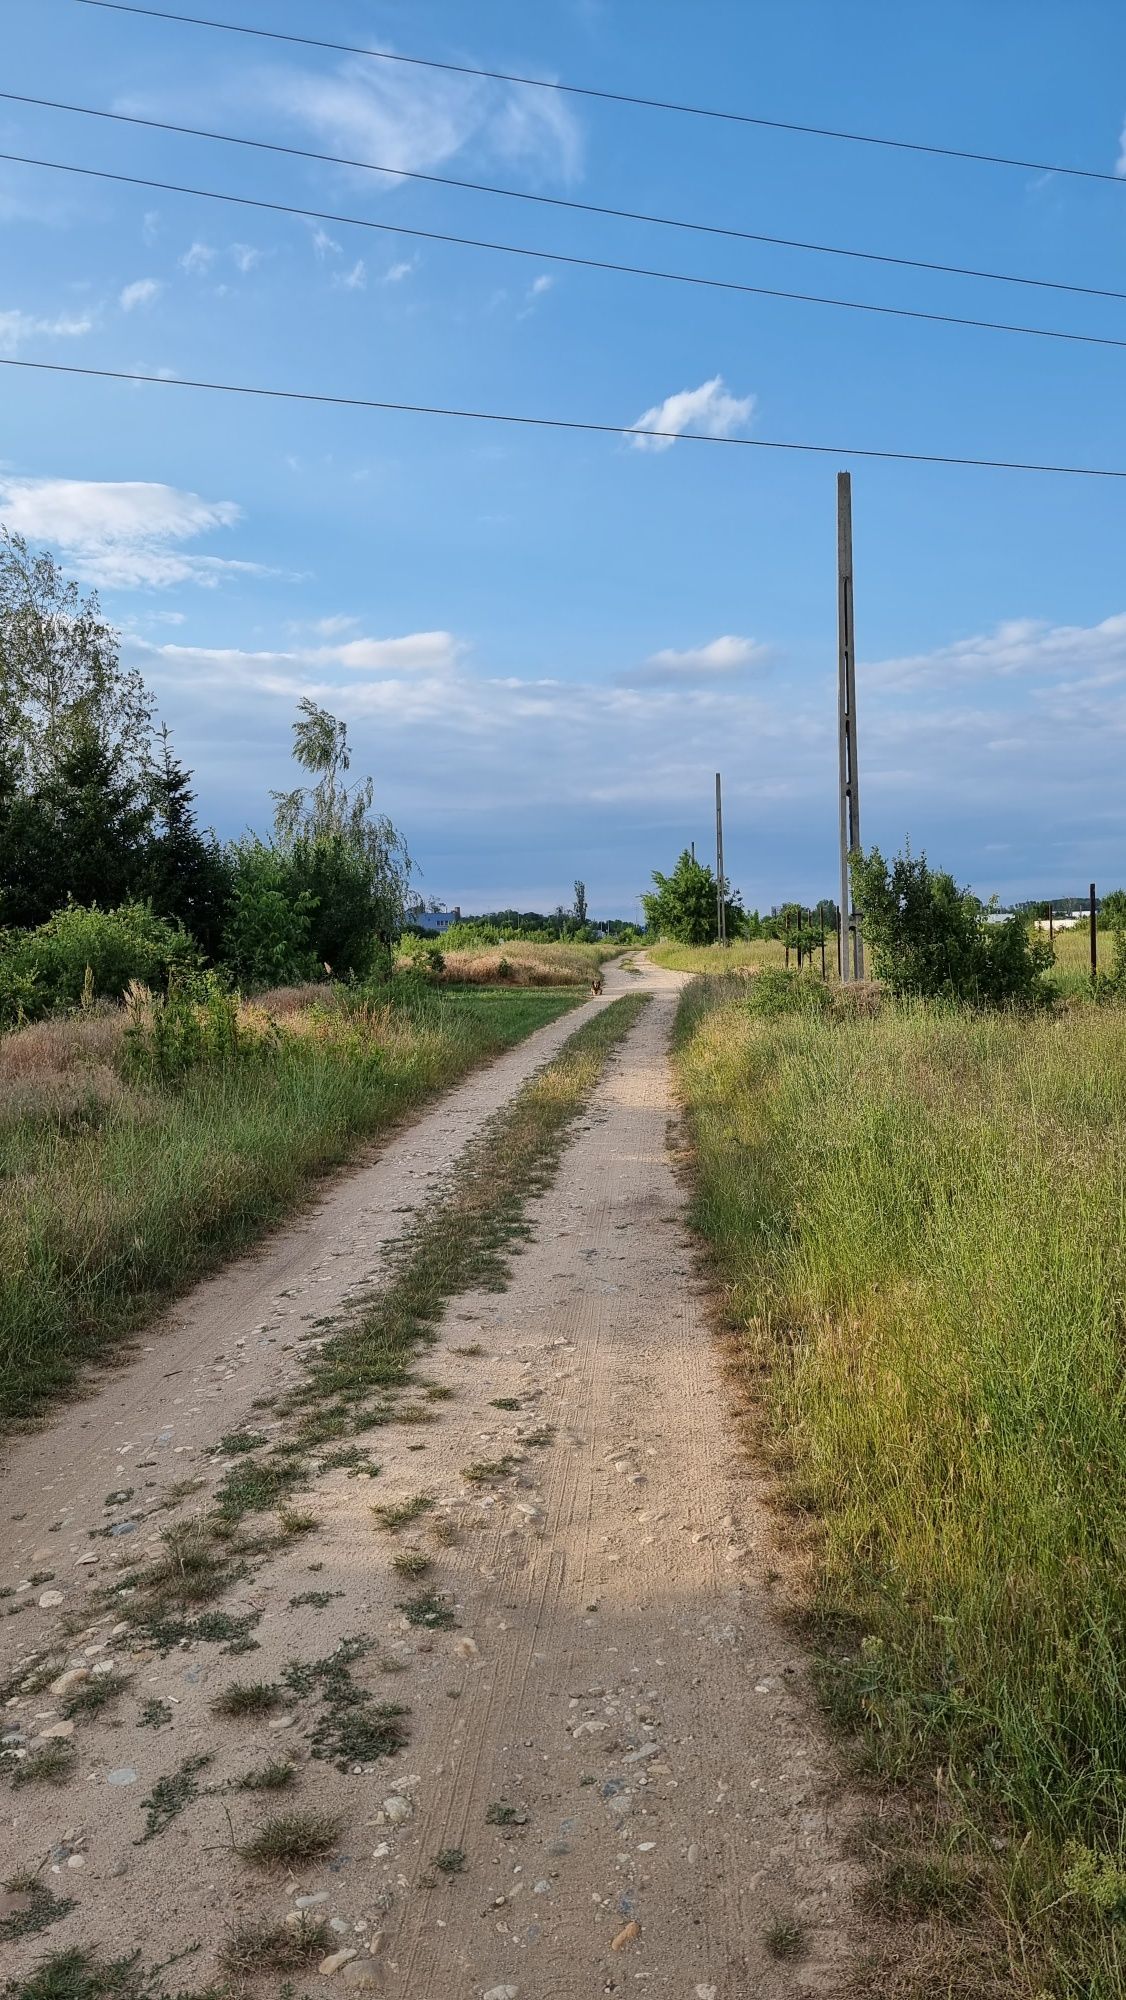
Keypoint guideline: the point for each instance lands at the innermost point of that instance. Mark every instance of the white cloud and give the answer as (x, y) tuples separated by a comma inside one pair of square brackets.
[(141, 292), (17, 327), (246, 257), (419, 121), (1089, 655), (711, 409), (417, 654), (395, 274), (151, 225), (123, 534), (724, 656), (355, 280), (324, 244), (197, 261), (537, 290)]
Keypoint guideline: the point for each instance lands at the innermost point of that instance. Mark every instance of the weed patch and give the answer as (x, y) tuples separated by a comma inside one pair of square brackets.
[(289, 1838), (352, 1727), (248, 1698), (170, 1797)]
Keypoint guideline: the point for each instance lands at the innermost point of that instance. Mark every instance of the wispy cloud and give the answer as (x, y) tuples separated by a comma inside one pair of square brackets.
[(395, 273), (710, 409), (418, 122), (720, 658), (246, 257), (198, 259), (355, 280), (127, 534), (537, 290), (18, 327), (141, 292)]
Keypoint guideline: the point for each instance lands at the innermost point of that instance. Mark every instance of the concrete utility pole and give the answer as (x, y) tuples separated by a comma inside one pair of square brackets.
[(721, 903), (846, 730)]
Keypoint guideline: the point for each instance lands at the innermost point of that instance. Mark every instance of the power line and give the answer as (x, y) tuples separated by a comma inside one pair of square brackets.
[(567, 203), (573, 260), (611, 96), (565, 423)]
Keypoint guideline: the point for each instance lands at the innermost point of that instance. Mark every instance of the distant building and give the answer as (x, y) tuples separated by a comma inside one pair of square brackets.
[(435, 921)]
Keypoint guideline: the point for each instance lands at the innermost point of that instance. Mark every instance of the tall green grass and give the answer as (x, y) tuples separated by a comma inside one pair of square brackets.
[(919, 1217), (744, 955), (115, 1195)]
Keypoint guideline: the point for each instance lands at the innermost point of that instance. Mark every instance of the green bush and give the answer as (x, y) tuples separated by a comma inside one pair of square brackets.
[(268, 936), (933, 941), (170, 1036), (775, 991), (82, 954)]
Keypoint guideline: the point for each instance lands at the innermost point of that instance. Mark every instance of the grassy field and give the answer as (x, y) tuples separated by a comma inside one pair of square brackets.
[(746, 955), (117, 1191), (550, 964), (917, 1218)]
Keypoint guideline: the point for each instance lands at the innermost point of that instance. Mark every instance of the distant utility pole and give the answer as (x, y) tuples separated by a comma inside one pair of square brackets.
[(846, 729), (720, 900)]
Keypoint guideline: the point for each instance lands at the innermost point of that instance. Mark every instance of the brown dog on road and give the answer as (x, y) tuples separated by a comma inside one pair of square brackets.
[(596, 984)]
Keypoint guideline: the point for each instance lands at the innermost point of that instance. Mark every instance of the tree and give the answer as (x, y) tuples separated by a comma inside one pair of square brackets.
[(1112, 910), (579, 911), (97, 814), (930, 939), (58, 656), (349, 862), (683, 905), (184, 875), (75, 725)]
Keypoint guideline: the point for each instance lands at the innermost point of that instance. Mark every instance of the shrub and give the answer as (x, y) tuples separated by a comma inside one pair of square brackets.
[(932, 940), (268, 936), (83, 954), (776, 991), (169, 1037)]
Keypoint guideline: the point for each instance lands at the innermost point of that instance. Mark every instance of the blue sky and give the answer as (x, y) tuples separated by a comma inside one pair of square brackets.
[(546, 645)]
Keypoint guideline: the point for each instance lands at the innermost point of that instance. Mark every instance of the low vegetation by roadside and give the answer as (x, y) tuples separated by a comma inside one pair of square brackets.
[(511, 963), (745, 955), (914, 1214), (140, 1146)]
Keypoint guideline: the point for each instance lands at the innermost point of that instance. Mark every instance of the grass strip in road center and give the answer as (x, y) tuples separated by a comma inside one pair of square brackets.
[(463, 1241)]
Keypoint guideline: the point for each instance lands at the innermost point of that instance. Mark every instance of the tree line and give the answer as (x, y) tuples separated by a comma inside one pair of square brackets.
[(97, 812)]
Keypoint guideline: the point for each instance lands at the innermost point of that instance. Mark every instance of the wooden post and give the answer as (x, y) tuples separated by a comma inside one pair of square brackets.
[(846, 731), (1051, 925), (824, 975), (1094, 939), (787, 944)]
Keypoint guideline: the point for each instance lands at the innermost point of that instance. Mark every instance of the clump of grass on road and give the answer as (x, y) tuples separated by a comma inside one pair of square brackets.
[(116, 1193), (917, 1221)]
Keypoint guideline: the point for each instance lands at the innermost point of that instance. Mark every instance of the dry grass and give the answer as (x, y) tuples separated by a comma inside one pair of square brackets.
[(525, 964)]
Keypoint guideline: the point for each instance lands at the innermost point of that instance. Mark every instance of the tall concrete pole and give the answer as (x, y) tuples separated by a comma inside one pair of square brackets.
[(851, 961), (720, 899)]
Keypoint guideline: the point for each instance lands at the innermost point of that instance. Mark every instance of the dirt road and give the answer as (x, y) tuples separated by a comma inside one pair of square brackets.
[(614, 1779)]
